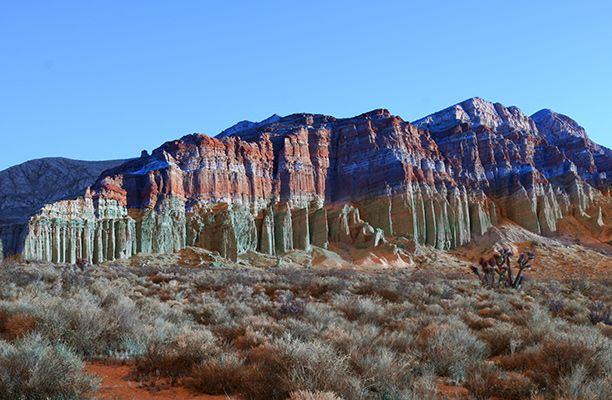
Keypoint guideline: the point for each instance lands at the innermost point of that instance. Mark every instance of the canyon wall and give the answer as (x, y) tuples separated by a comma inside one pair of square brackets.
[(97, 230), (310, 180)]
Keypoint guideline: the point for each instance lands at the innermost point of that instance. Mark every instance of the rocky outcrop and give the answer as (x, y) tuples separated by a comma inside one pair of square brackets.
[(229, 230), (301, 229), (592, 162), (27, 187), (438, 217), (310, 180), (69, 230), (525, 164), (347, 227), (318, 228), (266, 228), (283, 229)]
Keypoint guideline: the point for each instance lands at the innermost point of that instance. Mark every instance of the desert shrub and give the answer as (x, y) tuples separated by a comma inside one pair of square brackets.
[(352, 337), (478, 323), (386, 288), (365, 309), (579, 385), (300, 329), (275, 333), (173, 350), (249, 338), (152, 309), (424, 387), (425, 277), (8, 290), (218, 376), (124, 324), (33, 368), (306, 395), (77, 321), (88, 325), (400, 340), (450, 348), (485, 381), (536, 324), (209, 311), (605, 330), (315, 365), (502, 338), (600, 312), (490, 312), (286, 365), (574, 311), (556, 305), (18, 325), (559, 355), (321, 315), (287, 305), (385, 371), (16, 320), (401, 311), (265, 326)]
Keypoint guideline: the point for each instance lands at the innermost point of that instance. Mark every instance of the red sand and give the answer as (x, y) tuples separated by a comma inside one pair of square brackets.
[(116, 384)]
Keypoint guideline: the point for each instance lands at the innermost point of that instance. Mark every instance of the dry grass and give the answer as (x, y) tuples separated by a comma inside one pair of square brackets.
[(485, 381), (306, 334), (33, 368)]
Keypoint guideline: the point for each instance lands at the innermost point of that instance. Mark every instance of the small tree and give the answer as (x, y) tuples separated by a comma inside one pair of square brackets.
[(497, 270)]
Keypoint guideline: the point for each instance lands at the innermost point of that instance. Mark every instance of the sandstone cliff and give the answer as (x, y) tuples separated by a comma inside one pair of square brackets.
[(527, 165), (27, 187), (310, 180)]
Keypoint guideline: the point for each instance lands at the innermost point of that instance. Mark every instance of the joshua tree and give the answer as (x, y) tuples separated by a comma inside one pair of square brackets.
[(524, 263), (496, 271)]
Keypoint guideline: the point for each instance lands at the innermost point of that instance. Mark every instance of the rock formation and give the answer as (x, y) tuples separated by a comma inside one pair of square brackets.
[(309, 180), (592, 161), (27, 187), (525, 164)]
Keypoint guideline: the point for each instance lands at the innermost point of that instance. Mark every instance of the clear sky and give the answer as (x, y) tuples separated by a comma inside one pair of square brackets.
[(106, 79)]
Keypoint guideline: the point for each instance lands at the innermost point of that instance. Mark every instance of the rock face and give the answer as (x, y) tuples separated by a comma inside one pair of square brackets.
[(81, 229), (593, 162), (309, 180), (527, 165), (27, 187)]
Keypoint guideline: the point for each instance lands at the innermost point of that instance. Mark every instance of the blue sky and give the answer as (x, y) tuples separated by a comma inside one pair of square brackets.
[(106, 79)]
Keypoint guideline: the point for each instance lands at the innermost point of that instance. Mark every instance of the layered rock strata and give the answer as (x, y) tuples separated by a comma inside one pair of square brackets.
[(528, 165), (27, 187), (310, 180)]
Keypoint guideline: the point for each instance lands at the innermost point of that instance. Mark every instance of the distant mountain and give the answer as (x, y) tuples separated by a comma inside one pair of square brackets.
[(26, 187), (246, 125)]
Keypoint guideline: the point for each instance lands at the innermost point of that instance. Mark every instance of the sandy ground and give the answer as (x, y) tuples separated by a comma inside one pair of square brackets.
[(116, 384)]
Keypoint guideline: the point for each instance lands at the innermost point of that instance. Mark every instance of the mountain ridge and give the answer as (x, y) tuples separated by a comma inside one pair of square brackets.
[(440, 181)]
